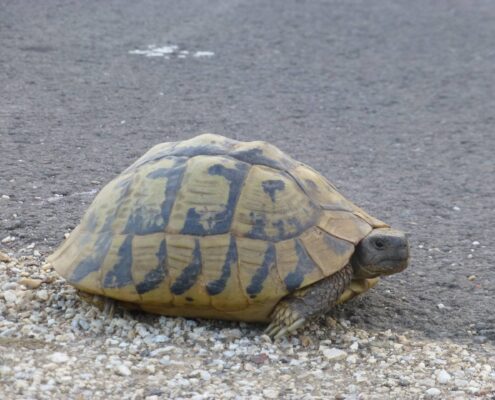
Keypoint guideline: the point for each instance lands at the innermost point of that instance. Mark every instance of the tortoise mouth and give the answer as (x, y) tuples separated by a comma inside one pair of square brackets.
[(393, 266), (384, 268)]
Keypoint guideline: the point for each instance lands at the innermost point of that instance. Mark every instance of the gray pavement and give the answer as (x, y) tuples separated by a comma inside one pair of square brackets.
[(393, 101)]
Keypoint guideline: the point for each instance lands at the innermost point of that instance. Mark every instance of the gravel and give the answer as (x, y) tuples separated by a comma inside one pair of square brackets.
[(53, 345)]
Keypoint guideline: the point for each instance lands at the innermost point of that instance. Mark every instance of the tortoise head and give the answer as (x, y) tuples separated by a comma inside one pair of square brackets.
[(384, 251)]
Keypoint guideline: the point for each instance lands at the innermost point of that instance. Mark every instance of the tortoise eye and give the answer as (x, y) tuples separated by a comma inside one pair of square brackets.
[(379, 244)]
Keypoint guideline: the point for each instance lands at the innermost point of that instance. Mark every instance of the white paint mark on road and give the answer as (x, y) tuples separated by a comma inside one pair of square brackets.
[(171, 51), (153, 51), (91, 192), (204, 54), (54, 198)]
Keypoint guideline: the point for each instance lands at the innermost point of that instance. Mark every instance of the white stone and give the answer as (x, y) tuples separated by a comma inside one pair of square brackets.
[(42, 295), (204, 54), (271, 393), (122, 370), (141, 330), (165, 361), (10, 297), (460, 382), (334, 354), (433, 392), (352, 359), (159, 339), (443, 377), (4, 257), (5, 370), (151, 368), (59, 358), (472, 389), (205, 375)]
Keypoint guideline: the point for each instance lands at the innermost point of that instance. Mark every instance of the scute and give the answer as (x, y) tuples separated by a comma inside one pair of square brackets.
[(220, 259), (319, 189), (184, 267), (149, 268), (208, 195), (262, 153), (328, 252), (258, 272), (272, 207), (344, 225), (327, 196), (296, 268), (205, 144)]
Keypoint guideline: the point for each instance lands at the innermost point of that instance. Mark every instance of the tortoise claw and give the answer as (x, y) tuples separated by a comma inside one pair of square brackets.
[(109, 308), (290, 329), (285, 321), (276, 330), (272, 329)]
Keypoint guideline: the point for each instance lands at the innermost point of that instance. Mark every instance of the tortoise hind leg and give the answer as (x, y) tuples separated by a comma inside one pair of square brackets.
[(294, 310), (104, 304)]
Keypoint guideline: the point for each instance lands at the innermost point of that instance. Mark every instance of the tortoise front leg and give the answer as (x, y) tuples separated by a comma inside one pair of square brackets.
[(294, 310)]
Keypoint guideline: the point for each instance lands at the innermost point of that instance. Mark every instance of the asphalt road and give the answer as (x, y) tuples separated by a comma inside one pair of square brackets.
[(392, 100)]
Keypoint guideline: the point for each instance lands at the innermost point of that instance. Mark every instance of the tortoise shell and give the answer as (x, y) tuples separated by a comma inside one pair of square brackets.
[(212, 227)]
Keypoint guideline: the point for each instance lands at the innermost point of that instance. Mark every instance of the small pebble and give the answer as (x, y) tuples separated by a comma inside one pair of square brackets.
[(59, 358), (30, 283), (205, 375), (8, 239), (42, 295), (122, 370), (443, 377), (334, 354), (480, 339), (460, 382), (271, 393), (352, 359), (10, 296), (433, 392), (4, 257)]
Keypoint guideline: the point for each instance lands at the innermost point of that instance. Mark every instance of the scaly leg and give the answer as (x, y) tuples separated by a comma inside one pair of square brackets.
[(104, 304), (294, 310)]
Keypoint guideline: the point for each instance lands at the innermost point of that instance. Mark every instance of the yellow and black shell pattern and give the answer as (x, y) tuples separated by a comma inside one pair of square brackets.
[(211, 227)]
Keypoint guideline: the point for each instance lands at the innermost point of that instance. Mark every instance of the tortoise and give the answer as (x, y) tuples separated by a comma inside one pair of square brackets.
[(213, 227)]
